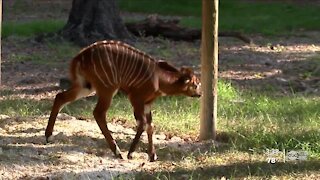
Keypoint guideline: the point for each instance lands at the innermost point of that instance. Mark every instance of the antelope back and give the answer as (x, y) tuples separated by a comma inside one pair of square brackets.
[(114, 64)]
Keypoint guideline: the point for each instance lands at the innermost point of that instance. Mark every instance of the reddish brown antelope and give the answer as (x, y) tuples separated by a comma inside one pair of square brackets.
[(109, 66)]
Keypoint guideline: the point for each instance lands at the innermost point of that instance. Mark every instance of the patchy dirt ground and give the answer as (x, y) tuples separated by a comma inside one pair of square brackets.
[(284, 64), (77, 150)]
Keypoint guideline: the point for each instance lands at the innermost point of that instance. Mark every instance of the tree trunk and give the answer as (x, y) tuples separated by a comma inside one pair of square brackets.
[(93, 20)]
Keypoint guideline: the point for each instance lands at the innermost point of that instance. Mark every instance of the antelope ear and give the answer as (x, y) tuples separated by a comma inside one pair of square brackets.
[(186, 70), (166, 66), (184, 79)]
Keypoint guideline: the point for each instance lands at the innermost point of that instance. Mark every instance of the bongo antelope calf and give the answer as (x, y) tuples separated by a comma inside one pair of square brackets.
[(108, 66)]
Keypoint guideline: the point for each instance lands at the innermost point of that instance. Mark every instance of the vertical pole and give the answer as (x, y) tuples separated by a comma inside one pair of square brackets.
[(215, 63), (209, 69), (0, 37)]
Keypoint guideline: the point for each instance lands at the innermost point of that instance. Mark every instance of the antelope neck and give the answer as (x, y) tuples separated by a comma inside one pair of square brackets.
[(168, 82)]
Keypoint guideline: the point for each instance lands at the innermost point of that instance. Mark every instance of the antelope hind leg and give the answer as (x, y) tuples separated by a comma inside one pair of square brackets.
[(60, 100), (150, 129)]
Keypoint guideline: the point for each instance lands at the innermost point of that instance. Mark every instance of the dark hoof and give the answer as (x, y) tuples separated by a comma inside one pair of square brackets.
[(153, 157), (48, 139), (119, 156), (129, 156), (48, 135)]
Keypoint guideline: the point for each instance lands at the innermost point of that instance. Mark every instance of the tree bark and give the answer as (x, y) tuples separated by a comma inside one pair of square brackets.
[(93, 20), (155, 26)]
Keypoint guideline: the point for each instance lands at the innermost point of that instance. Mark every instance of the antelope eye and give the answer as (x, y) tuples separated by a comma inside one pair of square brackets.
[(195, 86)]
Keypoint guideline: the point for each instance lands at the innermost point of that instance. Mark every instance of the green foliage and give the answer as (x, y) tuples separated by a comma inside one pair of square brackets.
[(268, 18), (30, 28), (177, 7)]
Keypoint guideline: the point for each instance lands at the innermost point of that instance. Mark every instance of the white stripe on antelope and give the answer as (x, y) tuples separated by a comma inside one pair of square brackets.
[(108, 66)]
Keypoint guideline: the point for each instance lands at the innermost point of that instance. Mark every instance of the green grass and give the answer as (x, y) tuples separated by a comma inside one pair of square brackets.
[(165, 7), (61, 52), (255, 121), (264, 122), (250, 121), (31, 28), (268, 18), (238, 170), (248, 124), (23, 107), (313, 69)]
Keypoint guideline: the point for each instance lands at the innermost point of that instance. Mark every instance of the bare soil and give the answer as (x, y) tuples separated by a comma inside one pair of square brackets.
[(282, 64), (77, 151)]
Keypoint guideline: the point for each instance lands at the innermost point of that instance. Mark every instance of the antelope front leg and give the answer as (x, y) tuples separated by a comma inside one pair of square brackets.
[(139, 114), (150, 128), (141, 120), (100, 116)]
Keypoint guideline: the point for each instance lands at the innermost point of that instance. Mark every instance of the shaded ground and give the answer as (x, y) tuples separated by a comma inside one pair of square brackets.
[(286, 63), (32, 70), (282, 64), (77, 150)]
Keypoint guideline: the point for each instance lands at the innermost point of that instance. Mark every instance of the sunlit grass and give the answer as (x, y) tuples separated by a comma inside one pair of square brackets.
[(231, 165), (250, 121), (23, 107), (248, 124)]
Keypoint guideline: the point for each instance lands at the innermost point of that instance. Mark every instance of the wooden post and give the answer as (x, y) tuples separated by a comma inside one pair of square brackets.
[(0, 37), (209, 69), (215, 64)]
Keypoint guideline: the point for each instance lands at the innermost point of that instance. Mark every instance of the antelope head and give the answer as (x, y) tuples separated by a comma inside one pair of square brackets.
[(191, 83)]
